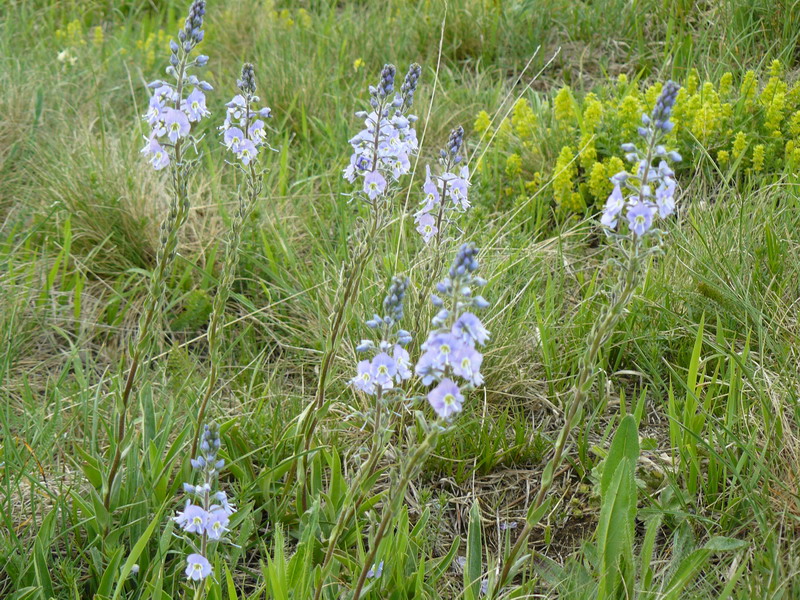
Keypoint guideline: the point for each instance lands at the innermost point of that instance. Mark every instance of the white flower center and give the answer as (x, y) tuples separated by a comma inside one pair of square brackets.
[(449, 399)]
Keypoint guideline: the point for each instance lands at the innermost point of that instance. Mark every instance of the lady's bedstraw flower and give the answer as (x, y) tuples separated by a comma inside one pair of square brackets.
[(651, 189), (244, 131), (444, 194), (170, 115), (209, 517), (451, 348), (391, 362), (382, 150)]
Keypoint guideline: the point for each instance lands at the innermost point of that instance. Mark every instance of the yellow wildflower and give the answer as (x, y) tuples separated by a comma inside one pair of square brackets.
[(482, 122), (563, 175), (652, 93), (776, 68), (723, 156), (358, 64), (588, 152), (97, 36), (726, 84), (692, 82), (794, 124), (564, 107), (513, 165), (758, 158), (739, 144), (304, 18), (524, 119), (599, 185), (535, 183), (592, 113), (749, 88)]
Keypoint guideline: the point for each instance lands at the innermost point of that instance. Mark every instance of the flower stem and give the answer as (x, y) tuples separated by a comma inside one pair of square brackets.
[(176, 217), (629, 281), (247, 201), (408, 472), (353, 503)]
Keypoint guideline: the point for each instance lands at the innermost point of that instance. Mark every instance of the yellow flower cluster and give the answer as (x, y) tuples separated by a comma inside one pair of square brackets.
[(286, 21), (564, 108), (149, 45), (98, 36), (524, 120), (564, 176), (482, 122), (72, 36), (747, 124)]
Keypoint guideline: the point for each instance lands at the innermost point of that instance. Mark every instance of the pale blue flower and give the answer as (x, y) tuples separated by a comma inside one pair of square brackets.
[(446, 399), (441, 347), (665, 198), (158, 157), (469, 327), (195, 106), (467, 364), (640, 217), (383, 370), (374, 184), (426, 225), (402, 362), (247, 152), (233, 137), (217, 523), (193, 519), (363, 380), (197, 567), (176, 123)]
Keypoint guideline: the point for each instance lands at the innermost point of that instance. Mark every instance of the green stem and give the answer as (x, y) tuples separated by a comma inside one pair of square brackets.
[(353, 504), (408, 472), (176, 216), (247, 202), (599, 335)]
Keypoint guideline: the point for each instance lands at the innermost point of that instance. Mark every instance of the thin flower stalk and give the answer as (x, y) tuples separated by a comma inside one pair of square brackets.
[(244, 135), (380, 158), (171, 117), (380, 377), (452, 361), (635, 245)]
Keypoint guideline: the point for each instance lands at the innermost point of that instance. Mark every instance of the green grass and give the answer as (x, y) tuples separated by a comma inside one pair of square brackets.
[(707, 353)]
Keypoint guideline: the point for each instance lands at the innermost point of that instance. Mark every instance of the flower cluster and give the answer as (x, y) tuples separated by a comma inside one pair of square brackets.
[(170, 114), (749, 127), (643, 203), (390, 364), (243, 132), (451, 348), (382, 150), (445, 193), (209, 518)]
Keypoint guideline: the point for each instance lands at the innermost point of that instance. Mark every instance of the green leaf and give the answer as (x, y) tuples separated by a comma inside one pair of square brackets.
[(110, 574), (473, 568), (136, 551), (624, 445)]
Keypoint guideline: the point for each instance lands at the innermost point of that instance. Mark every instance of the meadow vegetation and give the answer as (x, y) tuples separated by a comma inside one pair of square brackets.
[(678, 473)]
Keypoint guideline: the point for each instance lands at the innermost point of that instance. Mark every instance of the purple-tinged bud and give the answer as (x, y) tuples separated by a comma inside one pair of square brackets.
[(480, 302), (201, 60), (173, 46)]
